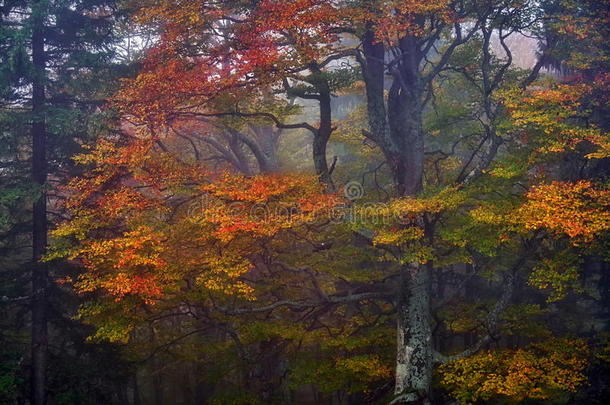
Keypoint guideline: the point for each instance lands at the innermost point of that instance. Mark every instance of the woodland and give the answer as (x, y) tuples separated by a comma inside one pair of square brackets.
[(309, 202)]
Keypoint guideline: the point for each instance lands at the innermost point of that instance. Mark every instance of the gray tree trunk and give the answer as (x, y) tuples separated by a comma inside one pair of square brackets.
[(414, 336), (396, 126)]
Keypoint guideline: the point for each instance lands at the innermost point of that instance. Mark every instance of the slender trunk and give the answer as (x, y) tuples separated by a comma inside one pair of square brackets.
[(39, 229), (373, 70), (325, 129), (319, 159)]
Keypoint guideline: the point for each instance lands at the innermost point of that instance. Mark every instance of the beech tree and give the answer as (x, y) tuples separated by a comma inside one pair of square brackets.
[(474, 150)]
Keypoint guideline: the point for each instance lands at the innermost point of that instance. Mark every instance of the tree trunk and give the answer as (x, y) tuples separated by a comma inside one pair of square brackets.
[(414, 336), (324, 131), (39, 228), (136, 390), (265, 149), (407, 155), (414, 331), (397, 129)]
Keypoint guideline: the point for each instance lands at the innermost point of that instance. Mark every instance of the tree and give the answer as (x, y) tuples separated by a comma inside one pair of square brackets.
[(470, 148), (51, 52), (274, 45)]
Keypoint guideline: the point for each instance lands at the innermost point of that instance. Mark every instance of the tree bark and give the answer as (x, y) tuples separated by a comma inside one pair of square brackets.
[(407, 154), (396, 126), (414, 336), (322, 135), (267, 137), (39, 229)]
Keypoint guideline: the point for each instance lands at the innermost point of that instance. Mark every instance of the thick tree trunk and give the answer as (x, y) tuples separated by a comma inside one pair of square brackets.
[(397, 128), (240, 157), (39, 230), (414, 337), (269, 143), (262, 142), (407, 155), (414, 331)]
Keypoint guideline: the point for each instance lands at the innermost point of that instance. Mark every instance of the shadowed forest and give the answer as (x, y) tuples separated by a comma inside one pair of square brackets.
[(309, 202)]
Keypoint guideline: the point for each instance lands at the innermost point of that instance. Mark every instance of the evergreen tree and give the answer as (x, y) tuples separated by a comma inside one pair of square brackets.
[(53, 54)]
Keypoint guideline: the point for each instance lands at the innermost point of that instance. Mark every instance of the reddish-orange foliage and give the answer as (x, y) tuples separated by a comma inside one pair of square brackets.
[(146, 222), (301, 30), (227, 53), (264, 205), (399, 17), (210, 50)]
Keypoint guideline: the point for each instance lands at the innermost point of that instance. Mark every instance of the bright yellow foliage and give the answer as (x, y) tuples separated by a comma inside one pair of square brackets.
[(538, 372), (580, 210)]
